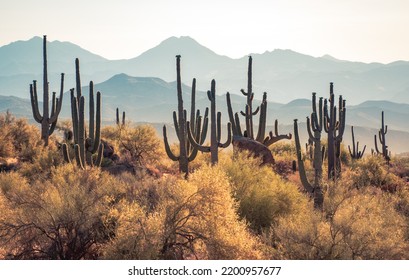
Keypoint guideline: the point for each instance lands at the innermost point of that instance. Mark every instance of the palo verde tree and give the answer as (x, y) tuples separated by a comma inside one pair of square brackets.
[(187, 152), (48, 120)]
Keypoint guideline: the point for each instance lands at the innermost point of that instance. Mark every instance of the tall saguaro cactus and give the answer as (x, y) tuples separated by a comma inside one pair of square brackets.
[(187, 152), (48, 120), (314, 128), (355, 152), (215, 130), (248, 113), (85, 144), (382, 139), (335, 130)]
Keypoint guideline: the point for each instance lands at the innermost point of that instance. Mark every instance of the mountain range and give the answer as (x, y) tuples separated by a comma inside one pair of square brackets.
[(286, 75), (144, 86)]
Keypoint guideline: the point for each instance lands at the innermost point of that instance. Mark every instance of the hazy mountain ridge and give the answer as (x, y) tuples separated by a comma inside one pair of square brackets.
[(153, 100), (286, 75)]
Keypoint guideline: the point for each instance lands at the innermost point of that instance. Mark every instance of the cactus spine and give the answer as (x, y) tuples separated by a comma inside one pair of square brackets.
[(187, 152), (215, 129), (335, 130), (355, 153), (248, 113), (48, 120), (382, 139), (85, 145)]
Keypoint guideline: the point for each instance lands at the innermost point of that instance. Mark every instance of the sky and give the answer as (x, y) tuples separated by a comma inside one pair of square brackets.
[(355, 30)]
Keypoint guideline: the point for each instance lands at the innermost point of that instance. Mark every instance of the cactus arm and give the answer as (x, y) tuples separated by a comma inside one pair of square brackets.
[(256, 111), (77, 151), (74, 116), (301, 169), (363, 151), (376, 145), (231, 115), (97, 137), (277, 137), (238, 126), (167, 147), (202, 148), (198, 135), (229, 137), (176, 124), (100, 154), (262, 120), (310, 135), (65, 152), (91, 126), (34, 102)]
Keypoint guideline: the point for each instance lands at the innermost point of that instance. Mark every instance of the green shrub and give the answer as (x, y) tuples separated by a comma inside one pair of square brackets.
[(262, 195)]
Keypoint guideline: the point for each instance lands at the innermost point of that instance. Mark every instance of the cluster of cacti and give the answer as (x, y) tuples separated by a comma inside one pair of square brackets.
[(355, 153), (215, 129), (335, 130), (314, 127), (382, 139), (85, 144), (248, 113), (48, 120), (118, 122), (187, 152)]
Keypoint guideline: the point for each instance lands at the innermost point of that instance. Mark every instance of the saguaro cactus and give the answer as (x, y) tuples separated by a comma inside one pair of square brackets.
[(215, 130), (85, 144), (355, 153), (335, 130), (118, 122), (248, 113), (187, 152), (314, 128), (382, 139), (48, 120)]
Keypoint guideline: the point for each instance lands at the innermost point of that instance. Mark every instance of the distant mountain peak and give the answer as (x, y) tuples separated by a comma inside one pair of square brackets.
[(328, 57)]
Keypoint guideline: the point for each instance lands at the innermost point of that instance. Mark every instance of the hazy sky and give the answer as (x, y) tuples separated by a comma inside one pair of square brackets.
[(359, 30)]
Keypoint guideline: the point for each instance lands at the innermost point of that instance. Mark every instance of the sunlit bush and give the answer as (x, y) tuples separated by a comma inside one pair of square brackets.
[(262, 195), (355, 224), (195, 219), (66, 217)]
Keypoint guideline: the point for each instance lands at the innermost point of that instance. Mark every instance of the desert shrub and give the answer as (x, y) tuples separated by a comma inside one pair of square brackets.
[(18, 138), (373, 171), (142, 144), (262, 195), (66, 217), (400, 167), (355, 224), (196, 218), (43, 163), (139, 235)]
